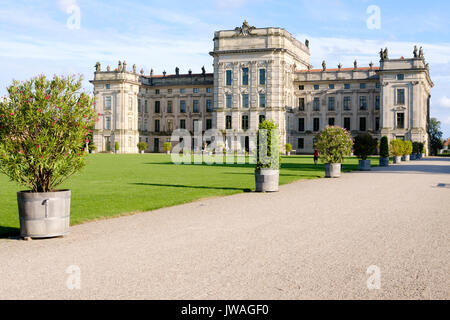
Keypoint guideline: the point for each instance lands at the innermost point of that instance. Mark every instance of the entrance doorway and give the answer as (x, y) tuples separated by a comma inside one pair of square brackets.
[(156, 145)]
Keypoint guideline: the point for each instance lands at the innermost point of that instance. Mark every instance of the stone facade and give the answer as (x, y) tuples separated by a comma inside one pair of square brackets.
[(263, 73)]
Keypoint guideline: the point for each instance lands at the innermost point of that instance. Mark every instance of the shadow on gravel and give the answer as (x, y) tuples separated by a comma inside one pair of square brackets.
[(189, 187), (423, 166), (7, 232)]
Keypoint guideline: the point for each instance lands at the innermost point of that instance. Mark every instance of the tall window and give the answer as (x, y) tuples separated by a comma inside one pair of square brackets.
[(228, 77), (316, 106), (229, 100), (301, 104), (362, 124), (182, 124), (157, 125), (316, 124), (139, 106), (301, 143), (400, 77), (262, 76), (195, 107), (145, 125), (182, 106), (347, 125), (400, 120), (301, 124), (244, 122), (377, 123), (262, 100), (108, 103), (169, 106), (400, 96), (157, 91), (107, 123), (261, 118), (377, 103), (331, 103), (346, 86), (157, 106), (208, 105), (107, 86), (363, 103), (331, 122), (245, 100), (145, 106), (347, 103), (208, 124), (245, 76), (228, 122)]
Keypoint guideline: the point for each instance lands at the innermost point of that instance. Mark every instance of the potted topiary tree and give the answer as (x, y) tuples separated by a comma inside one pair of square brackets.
[(142, 146), (384, 152), (414, 151), (288, 148), (422, 150), (397, 150), (333, 144), (116, 147), (364, 146), (268, 157), (407, 150), (167, 147), (44, 125)]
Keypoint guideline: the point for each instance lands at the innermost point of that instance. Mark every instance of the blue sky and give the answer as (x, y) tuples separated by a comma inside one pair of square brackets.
[(36, 37)]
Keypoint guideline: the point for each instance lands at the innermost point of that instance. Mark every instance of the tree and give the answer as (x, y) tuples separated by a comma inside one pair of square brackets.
[(364, 146), (384, 147), (435, 133), (333, 144)]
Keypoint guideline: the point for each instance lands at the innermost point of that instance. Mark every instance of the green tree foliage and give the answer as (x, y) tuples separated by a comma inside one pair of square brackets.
[(288, 147), (364, 146), (384, 147), (268, 146), (397, 147), (44, 125), (333, 144), (142, 146), (434, 130), (167, 146)]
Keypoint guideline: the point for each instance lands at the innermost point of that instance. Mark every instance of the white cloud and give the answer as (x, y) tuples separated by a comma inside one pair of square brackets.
[(230, 4), (444, 102)]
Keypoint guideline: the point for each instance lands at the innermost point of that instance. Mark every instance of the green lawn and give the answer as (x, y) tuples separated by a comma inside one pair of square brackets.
[(111, 185)]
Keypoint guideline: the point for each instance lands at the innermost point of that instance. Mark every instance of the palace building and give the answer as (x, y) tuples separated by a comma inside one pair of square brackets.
[(263, 73)]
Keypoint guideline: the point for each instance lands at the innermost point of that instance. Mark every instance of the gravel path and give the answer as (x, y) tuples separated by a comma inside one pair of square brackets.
[(313, 240)]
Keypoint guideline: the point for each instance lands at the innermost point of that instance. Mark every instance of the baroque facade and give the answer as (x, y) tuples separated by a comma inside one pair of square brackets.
[(263, 73)]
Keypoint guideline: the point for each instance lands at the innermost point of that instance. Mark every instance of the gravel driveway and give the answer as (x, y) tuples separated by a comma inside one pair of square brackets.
[(313, 240)]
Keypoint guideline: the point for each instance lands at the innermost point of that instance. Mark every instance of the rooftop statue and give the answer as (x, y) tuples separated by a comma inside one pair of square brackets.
[(245, 30), (98, 67), (324, 65), (415, 52)]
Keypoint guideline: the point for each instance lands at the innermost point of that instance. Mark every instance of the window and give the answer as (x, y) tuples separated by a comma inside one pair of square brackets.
[(316, 124), (262, 118), (245, 122), (331, 103), (262, 100), (245, 76), (301, 104), (301, 87), (316, 106), (145, 125), (363, 103), (347, 86), (145, 106), (169, 106), (108, 103), (331, 86), (208, 90), (108, 86), (316, 87), (331, 122), (195, 90), (182, 106), (245, 100), (400, 120), (377, 103), (208, 124), (182, 90), (362, 124), (228, 76), (169, 91), (347, 103), (182, 124), (195, 108), (157, 91), (347, 122), (262, 76), (107, 123), (208, 105), (377, 123), (377, 85), (400, 77), (301, 143), (139, 106), (157, 106), (228, 122), (156, 125), (400, 96), (229, 100), (301, 124), (362, 85)]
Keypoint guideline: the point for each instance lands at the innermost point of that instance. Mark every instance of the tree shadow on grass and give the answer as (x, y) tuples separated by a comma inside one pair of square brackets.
[(7, 232), (190, 187)]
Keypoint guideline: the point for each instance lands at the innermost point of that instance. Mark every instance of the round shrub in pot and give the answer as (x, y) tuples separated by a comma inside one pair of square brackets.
[(397, 148), (288, 148), (44, 124), (333, 144), (407, 150), (142, 146), (364, 146), (384, 152)]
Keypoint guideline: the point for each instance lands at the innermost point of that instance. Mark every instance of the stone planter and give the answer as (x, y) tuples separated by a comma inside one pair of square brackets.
[(384, 162), (406, 158), (412, 157), (168, 152), (141, 152), (364, 165), (288, 153), (332, 170), (44, 214), (422, 155), (266, 180), (397, 160)]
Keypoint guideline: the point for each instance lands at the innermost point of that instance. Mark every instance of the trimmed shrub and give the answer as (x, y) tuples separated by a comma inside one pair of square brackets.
[(408, 148), (288, 147), (116, 146), (384, 147), (44, 125), (268, 154), (142, 146), (416, 147), (397, 147), (167, 146), (364, 146), (333, 144)]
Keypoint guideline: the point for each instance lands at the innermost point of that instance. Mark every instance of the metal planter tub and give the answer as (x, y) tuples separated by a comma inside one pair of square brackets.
[(412, 157), (406, 158), (397, 160), (384, 162), (364, 165), (332, 170), (44, 214), (267, 180)]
